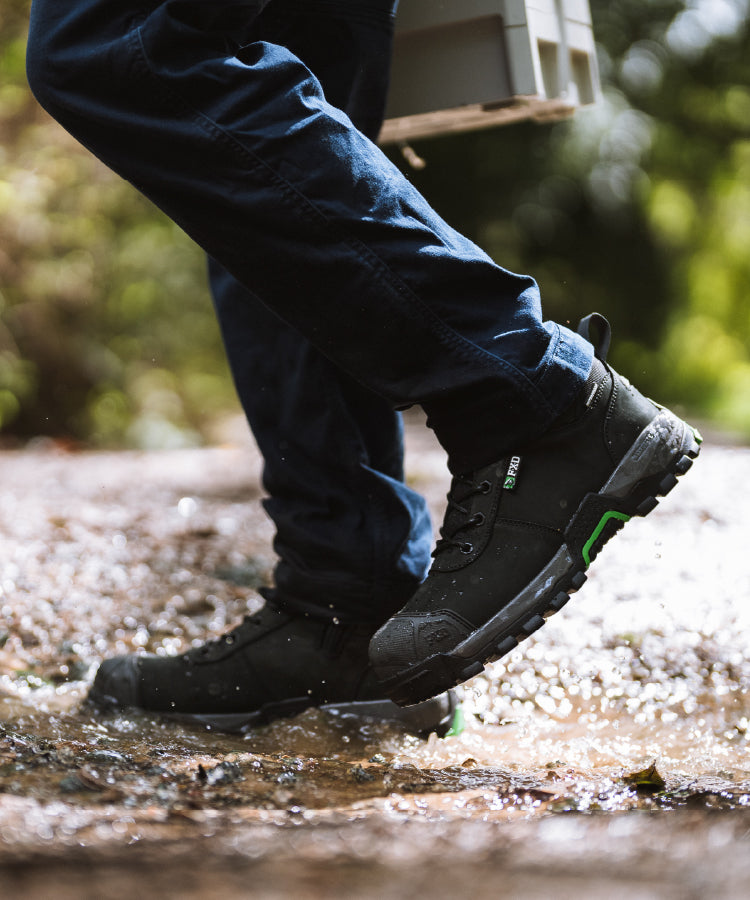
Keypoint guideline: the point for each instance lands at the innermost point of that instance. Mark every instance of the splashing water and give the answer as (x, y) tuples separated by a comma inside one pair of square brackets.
[(634, 697)]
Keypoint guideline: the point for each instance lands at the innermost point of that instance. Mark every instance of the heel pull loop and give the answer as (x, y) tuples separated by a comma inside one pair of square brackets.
[(598, 323)]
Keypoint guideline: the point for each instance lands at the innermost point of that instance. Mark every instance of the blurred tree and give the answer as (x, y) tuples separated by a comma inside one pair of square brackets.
[(639, 207), (107, 332)]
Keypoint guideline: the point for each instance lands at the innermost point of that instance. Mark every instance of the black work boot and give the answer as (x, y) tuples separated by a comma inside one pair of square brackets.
[(272, 665), (519, 534)]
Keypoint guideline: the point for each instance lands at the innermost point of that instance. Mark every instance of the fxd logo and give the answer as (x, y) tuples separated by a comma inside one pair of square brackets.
[(511, 476)]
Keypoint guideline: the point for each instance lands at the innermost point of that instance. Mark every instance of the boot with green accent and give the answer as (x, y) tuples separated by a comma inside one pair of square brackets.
[(520, 533)]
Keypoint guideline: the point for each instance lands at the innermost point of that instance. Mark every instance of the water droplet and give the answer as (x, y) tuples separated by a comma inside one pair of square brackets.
[(187, 507)]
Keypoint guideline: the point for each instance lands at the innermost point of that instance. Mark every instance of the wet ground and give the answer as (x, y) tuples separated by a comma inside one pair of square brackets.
[(609, 756)]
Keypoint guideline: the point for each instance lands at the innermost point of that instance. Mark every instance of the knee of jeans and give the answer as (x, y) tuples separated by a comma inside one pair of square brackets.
[(57, 70), (42, 69)]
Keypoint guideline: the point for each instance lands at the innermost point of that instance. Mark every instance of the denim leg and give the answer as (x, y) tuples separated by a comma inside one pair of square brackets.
[(237, 143), (352, 540)]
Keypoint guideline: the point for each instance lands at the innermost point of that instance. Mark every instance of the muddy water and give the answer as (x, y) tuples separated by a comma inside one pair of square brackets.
[(631, 702)]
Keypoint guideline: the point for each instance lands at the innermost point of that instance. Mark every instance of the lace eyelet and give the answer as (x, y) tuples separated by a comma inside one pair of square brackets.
[(467, 548), (485, 487), (477, 519)]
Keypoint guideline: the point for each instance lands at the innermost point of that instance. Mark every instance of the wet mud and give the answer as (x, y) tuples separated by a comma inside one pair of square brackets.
[(608, 756)]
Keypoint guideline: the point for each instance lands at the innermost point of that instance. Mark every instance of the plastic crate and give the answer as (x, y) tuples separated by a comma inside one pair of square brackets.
[(465, 64)]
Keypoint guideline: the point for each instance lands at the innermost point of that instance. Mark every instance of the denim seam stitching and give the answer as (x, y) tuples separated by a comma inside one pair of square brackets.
[(549, 356), (553, 352)]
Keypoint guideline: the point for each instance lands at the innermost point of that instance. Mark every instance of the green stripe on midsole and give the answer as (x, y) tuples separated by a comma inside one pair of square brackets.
[(612, 514), (458, 724)]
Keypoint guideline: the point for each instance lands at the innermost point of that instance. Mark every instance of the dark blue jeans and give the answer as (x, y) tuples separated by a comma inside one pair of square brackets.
[(341, 294), (350, 535)]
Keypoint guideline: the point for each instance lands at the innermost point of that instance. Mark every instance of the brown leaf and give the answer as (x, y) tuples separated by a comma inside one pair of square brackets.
[(646, 780)]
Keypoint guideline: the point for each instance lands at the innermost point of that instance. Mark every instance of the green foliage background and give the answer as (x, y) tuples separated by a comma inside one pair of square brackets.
[(639, 208), (107, 331)]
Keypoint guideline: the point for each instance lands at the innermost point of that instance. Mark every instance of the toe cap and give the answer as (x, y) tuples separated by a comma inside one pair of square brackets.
[(406, 640), (116, 682)]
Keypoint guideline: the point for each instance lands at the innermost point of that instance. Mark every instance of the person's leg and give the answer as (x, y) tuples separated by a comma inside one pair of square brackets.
[(353, 540), (241, 148)]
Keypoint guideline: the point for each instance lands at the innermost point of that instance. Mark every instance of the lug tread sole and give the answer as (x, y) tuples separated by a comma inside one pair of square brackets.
[(436, 714)]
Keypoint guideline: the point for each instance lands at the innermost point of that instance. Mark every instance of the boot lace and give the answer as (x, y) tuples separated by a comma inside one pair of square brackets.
[(239, 633), (458, 518)]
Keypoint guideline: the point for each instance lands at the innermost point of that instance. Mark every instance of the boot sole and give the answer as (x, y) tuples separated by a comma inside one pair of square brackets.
[(439, 714), (663, 452)]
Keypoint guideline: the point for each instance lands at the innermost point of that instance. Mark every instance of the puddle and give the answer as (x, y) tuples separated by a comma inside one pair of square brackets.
[(635, 699), (584, 755)]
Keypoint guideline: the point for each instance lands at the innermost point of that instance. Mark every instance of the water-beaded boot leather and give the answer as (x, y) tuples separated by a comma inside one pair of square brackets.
[(274, 664)]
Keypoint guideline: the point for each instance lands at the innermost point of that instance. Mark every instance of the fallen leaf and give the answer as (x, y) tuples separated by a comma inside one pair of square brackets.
[(646, 780)]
